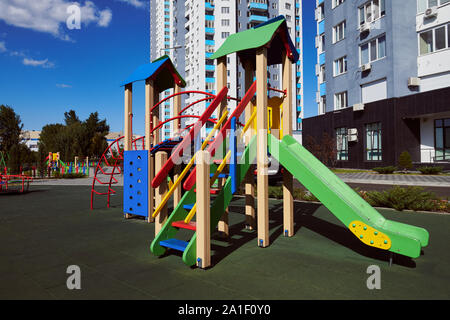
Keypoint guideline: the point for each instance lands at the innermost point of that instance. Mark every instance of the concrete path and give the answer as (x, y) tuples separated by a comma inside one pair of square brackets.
[(359, 178), (395, 179)]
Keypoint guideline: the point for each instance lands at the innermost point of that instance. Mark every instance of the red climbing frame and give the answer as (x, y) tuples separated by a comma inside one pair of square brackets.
[(113, 161), (111, 158)]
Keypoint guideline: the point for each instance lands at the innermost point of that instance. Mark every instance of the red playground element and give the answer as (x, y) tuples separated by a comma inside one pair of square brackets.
[(195, 130), (110, 164), (190, 181), (7, 182)]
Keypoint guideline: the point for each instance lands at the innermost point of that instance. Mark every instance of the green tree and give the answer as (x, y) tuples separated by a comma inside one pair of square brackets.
[(10, 128), (404, 161), (20, 157), (75, 138)]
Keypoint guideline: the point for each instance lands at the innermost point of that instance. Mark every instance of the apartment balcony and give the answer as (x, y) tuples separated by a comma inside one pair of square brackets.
[(210, 31), (257, 19), (258, 6), (210, 42), (209, 67), (209, 6)]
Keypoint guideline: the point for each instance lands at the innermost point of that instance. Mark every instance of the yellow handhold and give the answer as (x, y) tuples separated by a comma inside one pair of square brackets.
[(370, 236)]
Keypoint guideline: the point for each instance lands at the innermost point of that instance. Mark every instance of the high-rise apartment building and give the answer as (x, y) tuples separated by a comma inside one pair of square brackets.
[(191, 31), (383, 67)]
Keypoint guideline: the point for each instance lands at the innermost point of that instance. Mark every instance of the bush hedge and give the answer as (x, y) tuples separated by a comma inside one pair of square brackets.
[(385, 170), (430, 170)]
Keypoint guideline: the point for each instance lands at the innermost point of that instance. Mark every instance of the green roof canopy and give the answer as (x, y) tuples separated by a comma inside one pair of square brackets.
[(161, 71), (274, 34)]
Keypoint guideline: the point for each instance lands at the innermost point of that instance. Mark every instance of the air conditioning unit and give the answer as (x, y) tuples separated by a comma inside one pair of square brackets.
[(431, 12), (364, 28), (413, 82), (352, 135), (366, 67), (317, 42), (317, 69), (358, 107)]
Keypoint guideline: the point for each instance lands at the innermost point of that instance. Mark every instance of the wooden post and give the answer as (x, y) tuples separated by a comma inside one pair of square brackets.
[(261, 152), (249, 179), (128, 117), (203, 211), (128, 122), (176, 128), (160, 192), (288, 188), (222, 82), (150, 97)]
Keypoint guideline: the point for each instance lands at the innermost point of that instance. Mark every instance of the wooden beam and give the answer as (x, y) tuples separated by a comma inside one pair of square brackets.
[(128, 128), (250, 213), (222, 80), (203, 210), (150, 97), (160, 192), (288, 188), (128, 117), (176, 127), (261, 150)]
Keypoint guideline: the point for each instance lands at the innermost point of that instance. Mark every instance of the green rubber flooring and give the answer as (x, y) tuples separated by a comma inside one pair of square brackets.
[(50, 228)]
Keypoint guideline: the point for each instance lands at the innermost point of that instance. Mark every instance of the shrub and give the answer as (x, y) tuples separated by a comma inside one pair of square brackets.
[(410, 198), (385, 170), (430, 170), (404, 161)]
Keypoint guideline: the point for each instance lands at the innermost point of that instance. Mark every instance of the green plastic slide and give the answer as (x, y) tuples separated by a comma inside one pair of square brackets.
[(343, 201)]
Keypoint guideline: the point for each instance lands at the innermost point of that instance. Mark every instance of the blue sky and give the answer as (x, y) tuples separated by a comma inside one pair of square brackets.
[(47, 69)]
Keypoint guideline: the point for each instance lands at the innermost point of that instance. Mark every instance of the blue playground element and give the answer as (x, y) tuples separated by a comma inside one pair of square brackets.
[(233, 161), (135, 184)]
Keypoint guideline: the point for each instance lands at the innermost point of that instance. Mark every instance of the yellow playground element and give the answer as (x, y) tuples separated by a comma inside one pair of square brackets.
[(274, 115), (370, 236)]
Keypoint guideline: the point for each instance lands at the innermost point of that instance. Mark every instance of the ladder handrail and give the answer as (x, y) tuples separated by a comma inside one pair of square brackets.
[(219, 170), (177, 183)]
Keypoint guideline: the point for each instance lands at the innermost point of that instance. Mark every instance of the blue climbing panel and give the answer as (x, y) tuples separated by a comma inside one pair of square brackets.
[(135, 183)]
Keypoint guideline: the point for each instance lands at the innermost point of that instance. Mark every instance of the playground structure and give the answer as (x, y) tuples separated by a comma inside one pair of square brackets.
[(219, 166), (12, 183), (54, 164)]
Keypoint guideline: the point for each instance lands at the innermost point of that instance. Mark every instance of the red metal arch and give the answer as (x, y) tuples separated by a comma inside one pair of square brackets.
[(180, 117)]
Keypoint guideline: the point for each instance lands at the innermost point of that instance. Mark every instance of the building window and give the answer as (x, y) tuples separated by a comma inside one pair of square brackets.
[(322, 74), (423, 5), (442, 139), (225, 10), (372, 11), (339, 2), (434, 39), (373, 50), (373, 142), (321, 12), (323, 104), (342, 144), (321, 43), (340, 100), (339, 32), (340, 66)]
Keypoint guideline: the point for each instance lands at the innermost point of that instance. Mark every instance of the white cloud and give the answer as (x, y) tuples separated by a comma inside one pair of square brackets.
[(2, 46), (63, 85), (38, 63), (50, 16), (134, 3)]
